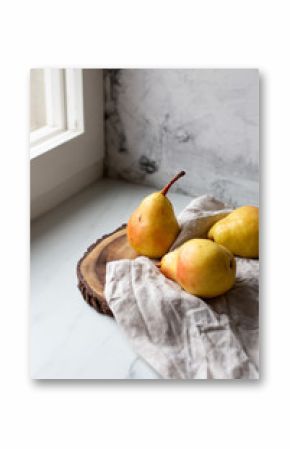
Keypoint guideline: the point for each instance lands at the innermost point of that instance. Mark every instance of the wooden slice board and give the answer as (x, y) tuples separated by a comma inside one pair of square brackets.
[(91, 269)]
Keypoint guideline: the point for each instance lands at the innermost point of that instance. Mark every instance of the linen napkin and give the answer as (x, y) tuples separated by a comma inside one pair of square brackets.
[(180, 335)]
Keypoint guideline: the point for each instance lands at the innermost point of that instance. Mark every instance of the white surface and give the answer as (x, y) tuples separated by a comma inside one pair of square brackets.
[(69, 340), (56, 414)]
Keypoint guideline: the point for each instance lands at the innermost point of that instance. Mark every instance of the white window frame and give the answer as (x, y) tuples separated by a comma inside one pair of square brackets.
[(64, 110)]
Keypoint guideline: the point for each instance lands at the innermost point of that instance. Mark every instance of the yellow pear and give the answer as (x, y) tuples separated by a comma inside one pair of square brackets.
[(168, 264), (239, 232), (201, 267), (152, 228)]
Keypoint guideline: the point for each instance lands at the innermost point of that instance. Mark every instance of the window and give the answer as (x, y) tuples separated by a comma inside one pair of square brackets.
[(56, 108)]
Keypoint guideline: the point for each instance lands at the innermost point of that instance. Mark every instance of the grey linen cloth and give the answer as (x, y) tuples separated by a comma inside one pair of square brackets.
[(180, 335)]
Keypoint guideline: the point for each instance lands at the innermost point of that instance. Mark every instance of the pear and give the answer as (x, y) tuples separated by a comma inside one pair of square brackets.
[(153, 227), (201, 267), (168, 264), (239, 232)]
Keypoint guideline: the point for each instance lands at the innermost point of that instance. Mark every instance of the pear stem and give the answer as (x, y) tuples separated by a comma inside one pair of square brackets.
[(173, 180)]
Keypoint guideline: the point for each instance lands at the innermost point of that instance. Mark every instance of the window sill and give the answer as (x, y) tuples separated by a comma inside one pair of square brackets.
[(49, 138), (69, 339)]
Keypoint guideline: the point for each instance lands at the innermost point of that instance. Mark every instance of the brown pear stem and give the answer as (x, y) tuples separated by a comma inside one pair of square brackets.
[(173, 180)]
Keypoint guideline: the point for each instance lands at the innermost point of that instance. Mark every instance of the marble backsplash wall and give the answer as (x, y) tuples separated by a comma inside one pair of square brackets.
[(159, 121)]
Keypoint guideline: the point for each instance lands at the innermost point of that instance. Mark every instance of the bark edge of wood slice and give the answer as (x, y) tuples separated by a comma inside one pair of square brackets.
[(91, 268)]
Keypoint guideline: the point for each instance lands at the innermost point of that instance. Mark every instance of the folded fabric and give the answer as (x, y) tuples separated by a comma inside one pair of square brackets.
[(198, 217), (180, 335)]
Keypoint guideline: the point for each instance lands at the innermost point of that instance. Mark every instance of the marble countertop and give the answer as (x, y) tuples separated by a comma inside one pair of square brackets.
[(69, 339)]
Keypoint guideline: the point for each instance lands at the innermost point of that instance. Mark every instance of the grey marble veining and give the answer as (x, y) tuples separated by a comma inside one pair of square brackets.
[(204, 121)]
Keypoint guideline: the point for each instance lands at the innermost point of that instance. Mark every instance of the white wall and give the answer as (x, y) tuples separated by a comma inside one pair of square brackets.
[(61, 172)]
